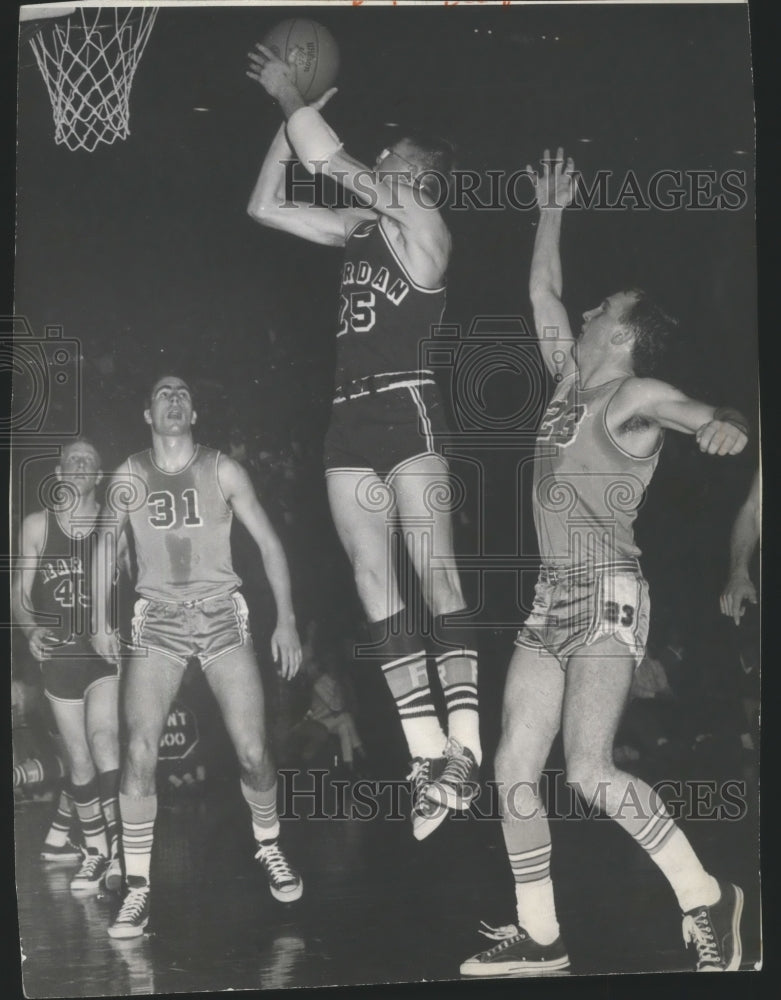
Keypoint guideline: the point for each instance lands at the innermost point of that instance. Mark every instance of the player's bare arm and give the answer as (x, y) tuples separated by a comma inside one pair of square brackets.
[(414, 226), (554, 190), (743, 541), (240, 494), (656, 405), (269, 206), (112, 524), (31, 542)]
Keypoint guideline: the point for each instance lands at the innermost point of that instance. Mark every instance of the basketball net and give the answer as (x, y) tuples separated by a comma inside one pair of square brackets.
[(88, 63)]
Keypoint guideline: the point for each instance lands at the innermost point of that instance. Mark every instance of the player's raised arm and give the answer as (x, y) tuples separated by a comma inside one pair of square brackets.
[(31, 543), (554, 190), (743, 541), (268, 202), (719, 430), (240, 494), (393, 193), (112, 521)]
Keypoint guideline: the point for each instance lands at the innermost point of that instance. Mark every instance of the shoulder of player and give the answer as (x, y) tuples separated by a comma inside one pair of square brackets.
[(34, 530), (637, 396), (231, 474)]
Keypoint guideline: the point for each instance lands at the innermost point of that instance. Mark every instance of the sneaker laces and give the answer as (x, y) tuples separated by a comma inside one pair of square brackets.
[(698, 930), (133, 904), (458, 767), (275, 863), (505, 935), (89, 866)]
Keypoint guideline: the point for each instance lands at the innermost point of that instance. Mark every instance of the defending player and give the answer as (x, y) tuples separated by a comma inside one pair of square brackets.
[(381, 451), (54, 581), (178, 499), (572, 668)]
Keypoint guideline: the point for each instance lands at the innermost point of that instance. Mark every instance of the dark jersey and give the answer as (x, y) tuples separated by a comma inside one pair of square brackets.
[(586, 487), (181, 529), (383, 314), (62, 581)]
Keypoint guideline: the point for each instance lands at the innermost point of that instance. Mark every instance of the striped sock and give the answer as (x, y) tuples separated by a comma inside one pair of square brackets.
[(529, 852), (398, 647), (86, 799), (59, 831), (108, 783), (457, 672), (138, 831), (407, 679), (667, 845), (263, 808)]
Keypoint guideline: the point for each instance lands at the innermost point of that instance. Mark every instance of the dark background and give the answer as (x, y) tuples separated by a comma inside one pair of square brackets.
[(144, 253)]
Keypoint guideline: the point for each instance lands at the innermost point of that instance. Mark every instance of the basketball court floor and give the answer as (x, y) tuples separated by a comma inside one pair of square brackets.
[(378, 906)]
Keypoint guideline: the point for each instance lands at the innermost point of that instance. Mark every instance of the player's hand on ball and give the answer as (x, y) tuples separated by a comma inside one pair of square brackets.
[(286, 650), (721, 437), (275, 75), (739, 589), (555, 187), (106, 644), (39, 641)]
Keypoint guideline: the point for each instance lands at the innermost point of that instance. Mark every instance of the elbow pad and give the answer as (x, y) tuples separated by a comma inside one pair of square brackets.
[(312, 138)]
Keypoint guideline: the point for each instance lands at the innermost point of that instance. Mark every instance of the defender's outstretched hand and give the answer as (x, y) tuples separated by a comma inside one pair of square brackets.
[(555, 187)]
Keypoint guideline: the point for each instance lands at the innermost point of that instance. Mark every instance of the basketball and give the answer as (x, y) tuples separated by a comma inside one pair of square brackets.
[(318, 62)]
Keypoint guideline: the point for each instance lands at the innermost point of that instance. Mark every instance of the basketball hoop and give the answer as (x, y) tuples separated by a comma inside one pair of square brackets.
[(88, 59)]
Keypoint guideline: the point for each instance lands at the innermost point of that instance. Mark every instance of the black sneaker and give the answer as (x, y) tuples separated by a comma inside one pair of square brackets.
[(133, 915), (714, 931), (113, 876), (426, 814), (517, 954), (458, 784), (284, 882), (67, 853), (87, 878)]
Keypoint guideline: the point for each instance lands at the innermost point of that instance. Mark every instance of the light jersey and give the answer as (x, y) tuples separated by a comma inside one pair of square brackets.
[(383, 314), (181, 528), (586, 487), (62, 580)]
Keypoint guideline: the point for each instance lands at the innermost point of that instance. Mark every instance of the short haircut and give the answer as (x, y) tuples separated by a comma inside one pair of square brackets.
[(652, 328), (436, 154), (161, 378), (80, 440)]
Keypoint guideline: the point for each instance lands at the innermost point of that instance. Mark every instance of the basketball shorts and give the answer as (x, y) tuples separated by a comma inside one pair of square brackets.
[(73, 670), (578, 607), (380, 431), (204, 629)]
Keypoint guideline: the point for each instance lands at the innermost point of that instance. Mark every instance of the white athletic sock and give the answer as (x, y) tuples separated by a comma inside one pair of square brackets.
[(692, 885), (537, 911)]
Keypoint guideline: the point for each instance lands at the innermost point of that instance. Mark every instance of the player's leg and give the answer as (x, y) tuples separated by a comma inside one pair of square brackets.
[(70, 717), (423, 489), (151, 680), (598, 682), (234, 678), (101, 701), (531, 715), (364, 513)]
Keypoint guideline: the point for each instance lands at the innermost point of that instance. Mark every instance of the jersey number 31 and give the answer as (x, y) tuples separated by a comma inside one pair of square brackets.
[(166, 510)]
